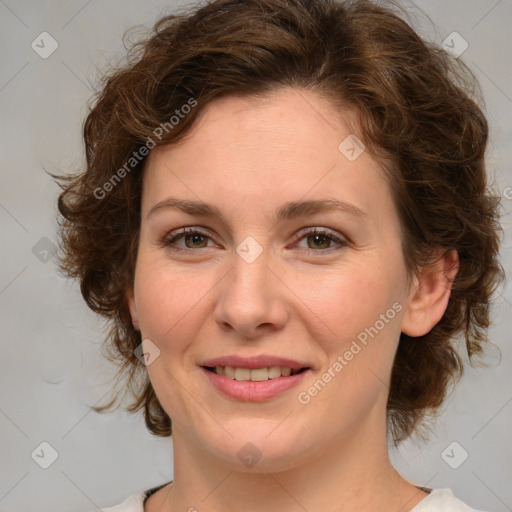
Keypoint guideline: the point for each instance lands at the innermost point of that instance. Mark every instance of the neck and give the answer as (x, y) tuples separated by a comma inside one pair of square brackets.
[(349, 475)]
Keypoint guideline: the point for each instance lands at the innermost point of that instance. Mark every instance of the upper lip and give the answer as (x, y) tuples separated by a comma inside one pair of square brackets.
[(261, 361)]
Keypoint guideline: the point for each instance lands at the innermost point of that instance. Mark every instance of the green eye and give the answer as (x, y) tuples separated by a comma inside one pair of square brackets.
[(321, 240), (321, 237), (189, 234)]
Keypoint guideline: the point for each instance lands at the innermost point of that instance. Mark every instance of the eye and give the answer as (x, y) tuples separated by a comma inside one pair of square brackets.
[(194, 239), (321, 239)]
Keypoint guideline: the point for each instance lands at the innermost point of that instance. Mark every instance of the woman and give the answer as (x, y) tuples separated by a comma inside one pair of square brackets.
[(285, 217)]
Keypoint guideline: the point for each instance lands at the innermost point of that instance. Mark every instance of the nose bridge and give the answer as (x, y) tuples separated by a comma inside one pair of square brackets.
[(250, 295), (249, 276)]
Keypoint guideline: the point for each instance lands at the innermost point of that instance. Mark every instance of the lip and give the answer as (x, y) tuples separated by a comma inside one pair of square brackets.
[(250, 391), (261, 361)]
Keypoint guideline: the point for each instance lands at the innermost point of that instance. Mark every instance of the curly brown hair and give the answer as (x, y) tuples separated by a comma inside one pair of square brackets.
[(417, 111)]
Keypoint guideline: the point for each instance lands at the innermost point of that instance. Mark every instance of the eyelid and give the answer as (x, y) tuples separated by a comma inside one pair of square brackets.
[(339, 239), (172, 235), (322, 231)]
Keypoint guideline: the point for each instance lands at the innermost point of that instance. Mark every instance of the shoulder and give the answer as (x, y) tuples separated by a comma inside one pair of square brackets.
[(135, 502), (442, 500), (438, 500)]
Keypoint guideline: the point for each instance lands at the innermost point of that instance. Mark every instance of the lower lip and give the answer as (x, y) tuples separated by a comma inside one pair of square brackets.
[(256, 391)]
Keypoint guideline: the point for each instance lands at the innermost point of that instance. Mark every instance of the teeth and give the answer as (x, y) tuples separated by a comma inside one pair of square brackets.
[(285, 372), (254, 374), (274, 371), (242, 374)]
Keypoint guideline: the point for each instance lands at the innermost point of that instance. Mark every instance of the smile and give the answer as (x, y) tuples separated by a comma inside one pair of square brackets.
[(244, 385), (254, 374)]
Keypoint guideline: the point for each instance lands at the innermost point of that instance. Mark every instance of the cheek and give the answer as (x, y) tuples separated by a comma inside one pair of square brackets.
[(164, 298), (363, 319), (348, 299), (360, 308)]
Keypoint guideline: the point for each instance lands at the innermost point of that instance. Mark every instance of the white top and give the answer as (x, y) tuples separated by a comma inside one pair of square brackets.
[(438, 500)]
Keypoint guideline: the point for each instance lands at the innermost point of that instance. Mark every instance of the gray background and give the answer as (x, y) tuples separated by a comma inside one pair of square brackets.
[(51, 365)]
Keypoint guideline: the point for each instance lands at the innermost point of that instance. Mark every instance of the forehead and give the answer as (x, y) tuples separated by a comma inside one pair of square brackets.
[(286, 146), (284, 118)]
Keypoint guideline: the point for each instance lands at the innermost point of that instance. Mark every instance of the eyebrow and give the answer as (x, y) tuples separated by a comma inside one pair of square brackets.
[(290, 210)]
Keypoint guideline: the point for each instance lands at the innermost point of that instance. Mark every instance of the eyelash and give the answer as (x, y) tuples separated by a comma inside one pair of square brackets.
[(172, 237)]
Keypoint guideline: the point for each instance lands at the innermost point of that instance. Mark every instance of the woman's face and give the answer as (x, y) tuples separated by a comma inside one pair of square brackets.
[(279, 273)]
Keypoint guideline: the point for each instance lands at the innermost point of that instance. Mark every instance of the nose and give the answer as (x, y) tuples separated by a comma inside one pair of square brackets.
[(252, 299)]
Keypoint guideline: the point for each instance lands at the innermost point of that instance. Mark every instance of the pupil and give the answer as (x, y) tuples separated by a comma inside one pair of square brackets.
[(195, 238), (318, 238)]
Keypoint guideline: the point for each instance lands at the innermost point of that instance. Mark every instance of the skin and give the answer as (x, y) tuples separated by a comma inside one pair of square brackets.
[(307, 299)]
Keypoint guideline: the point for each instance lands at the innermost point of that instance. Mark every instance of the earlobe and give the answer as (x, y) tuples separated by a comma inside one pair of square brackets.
[(130, 298), (430, 294)]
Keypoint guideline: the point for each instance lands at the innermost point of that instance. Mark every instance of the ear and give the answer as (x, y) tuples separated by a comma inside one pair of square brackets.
[(429, 295), (130, 298)]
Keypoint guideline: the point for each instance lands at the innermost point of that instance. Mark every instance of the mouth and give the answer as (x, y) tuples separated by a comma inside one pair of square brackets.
[(254, 374), (254, 384)]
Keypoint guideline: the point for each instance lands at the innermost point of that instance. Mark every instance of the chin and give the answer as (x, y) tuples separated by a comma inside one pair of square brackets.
[(254, 451)]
